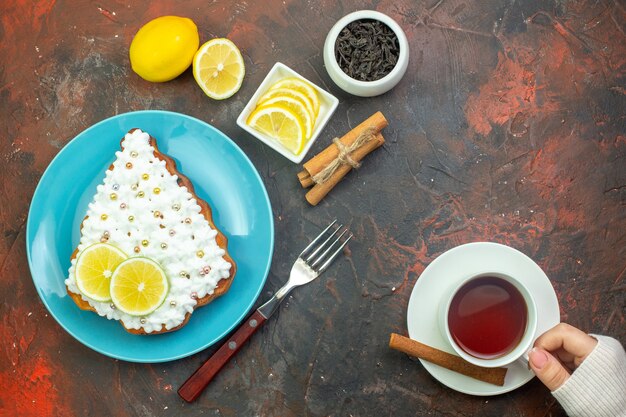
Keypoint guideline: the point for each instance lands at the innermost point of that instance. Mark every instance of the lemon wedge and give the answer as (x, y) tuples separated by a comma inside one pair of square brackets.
[(138, 286), (218, 68), (293, 83), (280, 123), (94, 268)]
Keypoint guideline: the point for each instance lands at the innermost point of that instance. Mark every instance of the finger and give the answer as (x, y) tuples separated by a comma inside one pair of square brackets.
[(565, 358), (547, 368), (570, 339)]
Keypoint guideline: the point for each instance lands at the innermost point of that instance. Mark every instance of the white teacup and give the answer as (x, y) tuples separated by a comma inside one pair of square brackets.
[(526, 341)]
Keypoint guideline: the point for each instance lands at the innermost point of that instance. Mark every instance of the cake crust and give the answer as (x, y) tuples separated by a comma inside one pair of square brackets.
[(223, 284)]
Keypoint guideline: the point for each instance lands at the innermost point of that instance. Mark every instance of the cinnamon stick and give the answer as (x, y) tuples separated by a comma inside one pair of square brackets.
[(305, 179), (454, 363), (319, 191), (377, 122)]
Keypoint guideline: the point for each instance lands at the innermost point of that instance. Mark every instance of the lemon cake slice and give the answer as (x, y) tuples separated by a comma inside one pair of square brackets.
[(149, 252)]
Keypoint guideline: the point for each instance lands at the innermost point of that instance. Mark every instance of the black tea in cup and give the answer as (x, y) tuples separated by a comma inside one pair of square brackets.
[(487, 317)]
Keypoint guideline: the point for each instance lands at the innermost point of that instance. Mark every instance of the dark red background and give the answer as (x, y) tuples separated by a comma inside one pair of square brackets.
[(508, 126)]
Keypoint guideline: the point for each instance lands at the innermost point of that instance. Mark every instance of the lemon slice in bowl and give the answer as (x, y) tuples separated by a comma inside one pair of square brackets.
[(94, 268), (280, 123), (303, 87), (138, 286), (298, 109), (285, 92), (218, 68)]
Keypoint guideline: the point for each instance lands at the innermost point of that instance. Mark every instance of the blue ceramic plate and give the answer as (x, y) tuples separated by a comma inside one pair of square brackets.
[(222, 175)]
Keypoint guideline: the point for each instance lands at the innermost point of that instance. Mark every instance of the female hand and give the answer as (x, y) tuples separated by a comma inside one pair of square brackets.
[(558, 352)]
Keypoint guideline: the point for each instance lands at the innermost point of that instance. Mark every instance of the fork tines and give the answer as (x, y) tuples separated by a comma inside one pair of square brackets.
[(330, 248)]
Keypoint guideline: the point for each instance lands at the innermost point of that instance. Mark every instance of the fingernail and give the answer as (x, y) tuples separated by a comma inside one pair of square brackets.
[(538, 358)]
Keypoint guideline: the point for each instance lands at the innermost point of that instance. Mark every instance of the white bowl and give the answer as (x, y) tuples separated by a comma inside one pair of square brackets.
[(365, 88), (328, 104)]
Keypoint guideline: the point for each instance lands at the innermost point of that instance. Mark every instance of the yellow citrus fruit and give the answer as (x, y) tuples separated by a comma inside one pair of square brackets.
[(94, 268), (285, 92), (164, 47), (138, 286), (218, 68), (297, 108), (303, 87), (280, 123)]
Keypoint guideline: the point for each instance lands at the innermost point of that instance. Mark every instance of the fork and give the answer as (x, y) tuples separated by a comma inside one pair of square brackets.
[(311, 263)]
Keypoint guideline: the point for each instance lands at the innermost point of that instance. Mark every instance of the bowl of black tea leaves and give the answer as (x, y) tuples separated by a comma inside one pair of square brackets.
[(366, 53)]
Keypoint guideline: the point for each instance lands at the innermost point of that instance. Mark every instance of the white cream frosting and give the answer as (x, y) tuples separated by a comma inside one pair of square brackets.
[(166, 226)]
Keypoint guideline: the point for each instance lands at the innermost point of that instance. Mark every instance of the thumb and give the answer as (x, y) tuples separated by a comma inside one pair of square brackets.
[(547, 368)]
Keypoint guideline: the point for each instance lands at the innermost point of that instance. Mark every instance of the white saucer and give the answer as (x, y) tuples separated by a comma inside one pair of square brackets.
[(446, 271)]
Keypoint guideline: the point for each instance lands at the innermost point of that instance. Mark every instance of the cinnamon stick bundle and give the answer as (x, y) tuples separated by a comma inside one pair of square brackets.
[(370, 127), (452, 362)]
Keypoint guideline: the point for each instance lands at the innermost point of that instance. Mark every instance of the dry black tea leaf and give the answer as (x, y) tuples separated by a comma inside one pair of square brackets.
[(367, 49)]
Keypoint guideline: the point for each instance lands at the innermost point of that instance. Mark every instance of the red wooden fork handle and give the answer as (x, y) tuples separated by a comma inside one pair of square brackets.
[(197, 382)]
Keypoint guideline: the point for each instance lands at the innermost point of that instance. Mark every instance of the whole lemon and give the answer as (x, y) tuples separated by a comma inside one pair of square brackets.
[(164, 48)]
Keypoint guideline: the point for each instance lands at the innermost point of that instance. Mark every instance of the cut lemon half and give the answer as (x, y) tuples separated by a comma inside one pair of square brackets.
[(303, 87), (280, 123), (218, 68), (297, 108), (94, 268), (138, 286), (285, 92)]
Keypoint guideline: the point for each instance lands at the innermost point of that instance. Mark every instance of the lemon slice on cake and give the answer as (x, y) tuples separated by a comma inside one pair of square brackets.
[(280, 123), (94, 269), (218, 68), (138, 286)]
